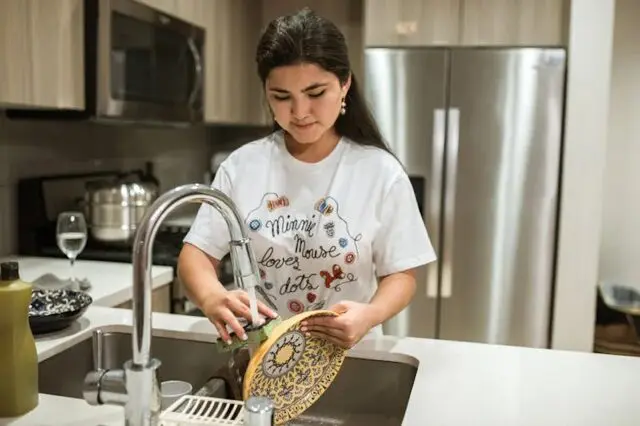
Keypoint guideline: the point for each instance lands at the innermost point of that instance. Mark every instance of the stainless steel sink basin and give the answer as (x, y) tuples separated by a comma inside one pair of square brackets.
[(372, 389)]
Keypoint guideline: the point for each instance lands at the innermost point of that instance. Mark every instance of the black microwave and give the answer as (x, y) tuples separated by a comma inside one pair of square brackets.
[(141, 65)]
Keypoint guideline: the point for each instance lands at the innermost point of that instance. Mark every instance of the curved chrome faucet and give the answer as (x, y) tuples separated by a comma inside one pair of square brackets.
[(139, 377)]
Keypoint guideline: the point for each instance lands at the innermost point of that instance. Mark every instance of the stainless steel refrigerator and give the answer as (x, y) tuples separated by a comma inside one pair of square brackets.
[(480, 134)]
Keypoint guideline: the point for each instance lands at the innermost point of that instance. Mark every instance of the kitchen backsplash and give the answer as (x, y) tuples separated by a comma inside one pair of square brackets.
[(228, 138), (180, 155)]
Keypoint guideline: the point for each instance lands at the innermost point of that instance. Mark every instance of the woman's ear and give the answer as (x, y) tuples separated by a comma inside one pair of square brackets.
[(346, 86)]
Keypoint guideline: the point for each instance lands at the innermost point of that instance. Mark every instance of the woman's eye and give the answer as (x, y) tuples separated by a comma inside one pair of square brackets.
[(280, 98), (317, 94)]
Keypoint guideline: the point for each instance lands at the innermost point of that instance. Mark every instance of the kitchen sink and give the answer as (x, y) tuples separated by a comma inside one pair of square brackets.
[(373, 388)]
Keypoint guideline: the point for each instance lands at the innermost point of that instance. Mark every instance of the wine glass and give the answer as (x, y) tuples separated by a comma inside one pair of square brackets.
[(71, 235)]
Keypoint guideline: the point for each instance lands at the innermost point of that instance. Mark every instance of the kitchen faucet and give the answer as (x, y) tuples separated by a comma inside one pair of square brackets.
[(136, 386)]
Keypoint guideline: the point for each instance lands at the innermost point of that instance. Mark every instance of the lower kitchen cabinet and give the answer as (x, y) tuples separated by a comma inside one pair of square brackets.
[(160, 300)]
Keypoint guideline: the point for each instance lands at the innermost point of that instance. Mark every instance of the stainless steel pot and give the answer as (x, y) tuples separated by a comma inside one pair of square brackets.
[(114, 209)]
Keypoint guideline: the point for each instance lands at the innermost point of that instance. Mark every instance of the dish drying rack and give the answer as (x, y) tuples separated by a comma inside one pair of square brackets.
[(194, 410)]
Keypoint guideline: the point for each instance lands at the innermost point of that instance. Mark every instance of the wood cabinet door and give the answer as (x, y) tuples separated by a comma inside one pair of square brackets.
[(514, 22), (232, 88), (16, 64), (57, 53), (411, 22), (42, 46)]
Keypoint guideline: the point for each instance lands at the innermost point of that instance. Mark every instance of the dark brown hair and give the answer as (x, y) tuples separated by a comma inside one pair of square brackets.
[(305, 37)]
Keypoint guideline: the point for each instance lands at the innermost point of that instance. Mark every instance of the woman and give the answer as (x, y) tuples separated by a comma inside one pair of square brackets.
[(329, 209)]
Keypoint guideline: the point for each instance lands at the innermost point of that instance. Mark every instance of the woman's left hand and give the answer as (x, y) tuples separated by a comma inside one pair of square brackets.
[(354, 320)]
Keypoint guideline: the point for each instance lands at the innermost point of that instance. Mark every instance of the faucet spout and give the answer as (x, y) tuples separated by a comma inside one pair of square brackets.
[(140, 373), (246, 273)]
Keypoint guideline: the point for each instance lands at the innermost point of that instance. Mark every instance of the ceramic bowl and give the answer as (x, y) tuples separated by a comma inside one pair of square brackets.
[(53, 310), (293, 369)]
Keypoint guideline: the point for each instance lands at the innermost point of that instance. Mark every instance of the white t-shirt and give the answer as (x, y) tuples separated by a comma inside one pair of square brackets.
[(321, 232)]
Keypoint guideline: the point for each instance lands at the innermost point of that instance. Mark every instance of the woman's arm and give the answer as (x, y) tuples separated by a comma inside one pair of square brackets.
[(198, 273), (394, 293)]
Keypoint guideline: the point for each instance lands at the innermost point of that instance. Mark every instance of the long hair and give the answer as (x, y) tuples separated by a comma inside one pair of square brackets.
[(305, 37)]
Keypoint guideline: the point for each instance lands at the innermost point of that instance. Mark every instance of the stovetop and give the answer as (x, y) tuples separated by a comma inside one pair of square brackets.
[(166, 249)]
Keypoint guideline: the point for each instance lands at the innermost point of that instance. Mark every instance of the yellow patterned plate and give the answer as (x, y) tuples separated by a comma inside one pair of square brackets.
[(292, 369)]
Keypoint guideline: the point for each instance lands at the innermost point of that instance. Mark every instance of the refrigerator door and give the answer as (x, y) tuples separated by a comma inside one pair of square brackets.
[(406, 90), (501, 193)]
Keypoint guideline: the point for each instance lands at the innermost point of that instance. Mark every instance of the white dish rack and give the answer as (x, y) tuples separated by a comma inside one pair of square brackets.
[(192, 410)]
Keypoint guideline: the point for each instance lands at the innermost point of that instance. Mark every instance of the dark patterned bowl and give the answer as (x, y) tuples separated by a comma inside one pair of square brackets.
[(54, 310)]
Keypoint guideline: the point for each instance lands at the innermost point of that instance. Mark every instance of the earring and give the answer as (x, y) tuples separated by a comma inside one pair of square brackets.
[(343, 107)]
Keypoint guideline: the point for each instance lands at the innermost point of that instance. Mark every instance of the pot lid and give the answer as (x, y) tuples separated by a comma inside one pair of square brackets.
[(104, 192)]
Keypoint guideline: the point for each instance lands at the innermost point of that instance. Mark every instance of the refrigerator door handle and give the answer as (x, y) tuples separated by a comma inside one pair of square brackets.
[(435, 193), (453, 136)]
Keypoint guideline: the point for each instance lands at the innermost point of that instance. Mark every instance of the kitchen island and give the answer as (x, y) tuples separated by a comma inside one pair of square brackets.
[(456, 383)]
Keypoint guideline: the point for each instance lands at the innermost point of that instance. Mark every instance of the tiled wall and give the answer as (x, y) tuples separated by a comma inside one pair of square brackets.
[(36, 148)]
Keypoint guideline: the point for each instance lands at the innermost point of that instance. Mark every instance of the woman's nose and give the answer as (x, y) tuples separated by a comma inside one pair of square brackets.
[(300, 108)]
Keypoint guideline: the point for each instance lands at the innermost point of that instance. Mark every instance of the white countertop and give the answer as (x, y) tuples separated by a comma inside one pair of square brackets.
[(456, 383), (111, 282)]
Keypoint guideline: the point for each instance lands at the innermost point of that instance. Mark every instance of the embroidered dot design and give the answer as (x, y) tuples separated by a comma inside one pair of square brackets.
[(284, 354), (255, 224), (343, 242), (295, 306), (349, 258)]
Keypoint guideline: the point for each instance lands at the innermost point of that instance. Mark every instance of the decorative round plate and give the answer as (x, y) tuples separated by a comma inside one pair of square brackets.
[(293, 369), (53, 310)]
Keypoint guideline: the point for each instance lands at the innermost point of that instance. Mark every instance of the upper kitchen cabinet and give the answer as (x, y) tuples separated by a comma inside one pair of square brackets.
[(346, 14), (411, 22), (465, 22), (514, 22), (42, 44), (233, 92)]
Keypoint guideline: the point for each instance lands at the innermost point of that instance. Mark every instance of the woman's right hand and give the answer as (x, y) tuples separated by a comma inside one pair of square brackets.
[(223, 307)]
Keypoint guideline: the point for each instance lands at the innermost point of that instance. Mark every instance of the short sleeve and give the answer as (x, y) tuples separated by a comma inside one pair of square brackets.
[(402, 241), (209, 230)]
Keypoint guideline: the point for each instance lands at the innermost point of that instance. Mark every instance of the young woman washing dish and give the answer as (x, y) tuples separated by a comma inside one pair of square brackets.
[(330, 211)]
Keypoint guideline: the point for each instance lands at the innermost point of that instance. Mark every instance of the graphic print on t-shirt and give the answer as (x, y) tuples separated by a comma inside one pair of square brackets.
[(303, 254)]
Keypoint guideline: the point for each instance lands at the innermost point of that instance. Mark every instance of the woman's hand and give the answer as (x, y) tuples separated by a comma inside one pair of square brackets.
[(354, 320), (223, 307)]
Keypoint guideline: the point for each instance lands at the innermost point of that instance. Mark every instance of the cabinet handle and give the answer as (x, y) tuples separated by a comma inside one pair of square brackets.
[(406, 27)]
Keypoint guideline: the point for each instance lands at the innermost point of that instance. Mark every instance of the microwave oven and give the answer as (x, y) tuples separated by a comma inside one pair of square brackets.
[(141, 66)]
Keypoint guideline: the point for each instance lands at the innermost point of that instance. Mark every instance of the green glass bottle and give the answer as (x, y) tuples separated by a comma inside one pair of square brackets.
[(18, 355)]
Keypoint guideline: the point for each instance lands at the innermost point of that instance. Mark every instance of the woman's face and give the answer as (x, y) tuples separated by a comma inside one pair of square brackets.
[(305, 100)]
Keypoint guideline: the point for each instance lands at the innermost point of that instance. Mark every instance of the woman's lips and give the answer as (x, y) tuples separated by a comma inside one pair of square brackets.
[(303, 126)]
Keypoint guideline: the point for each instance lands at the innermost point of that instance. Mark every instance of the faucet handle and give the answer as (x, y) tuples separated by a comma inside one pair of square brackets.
[(259, 411), (97, 342), (91, 389), (105, 387)]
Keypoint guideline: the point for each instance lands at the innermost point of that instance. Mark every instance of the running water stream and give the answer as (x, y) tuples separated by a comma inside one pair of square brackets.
[(256, 321)]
